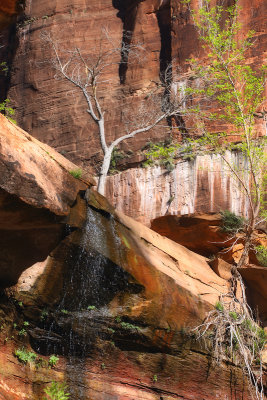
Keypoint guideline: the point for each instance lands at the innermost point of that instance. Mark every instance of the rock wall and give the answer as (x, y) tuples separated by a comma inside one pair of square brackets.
[(55, 112), (198, 186)]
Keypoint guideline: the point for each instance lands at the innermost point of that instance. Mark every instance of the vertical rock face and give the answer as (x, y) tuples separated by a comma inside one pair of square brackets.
[(8, 9), (201, 185), (55, 112)]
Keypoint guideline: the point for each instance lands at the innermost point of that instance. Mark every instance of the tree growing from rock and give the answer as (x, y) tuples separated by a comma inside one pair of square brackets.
[(235, 91), (87, 74), (227, 92)]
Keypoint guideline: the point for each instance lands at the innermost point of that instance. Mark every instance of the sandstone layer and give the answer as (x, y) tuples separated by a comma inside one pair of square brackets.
[(55, 112), (199, 186), (144, 292), (36, 194)]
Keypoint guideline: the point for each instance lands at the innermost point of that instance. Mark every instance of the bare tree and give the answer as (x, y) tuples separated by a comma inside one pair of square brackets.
[(88, 75)]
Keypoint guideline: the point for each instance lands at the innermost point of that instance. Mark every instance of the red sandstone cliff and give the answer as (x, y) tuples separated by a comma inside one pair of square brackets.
[(54, 112), (147, 291)]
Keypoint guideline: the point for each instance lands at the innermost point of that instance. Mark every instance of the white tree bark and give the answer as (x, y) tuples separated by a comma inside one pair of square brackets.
[(86, 77)]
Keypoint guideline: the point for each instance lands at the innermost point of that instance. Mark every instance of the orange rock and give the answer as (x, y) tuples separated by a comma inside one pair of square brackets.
[(255, 280), (36, 194), (222, 268)]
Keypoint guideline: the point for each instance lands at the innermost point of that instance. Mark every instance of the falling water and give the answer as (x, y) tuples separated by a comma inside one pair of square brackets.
[(91, 280)]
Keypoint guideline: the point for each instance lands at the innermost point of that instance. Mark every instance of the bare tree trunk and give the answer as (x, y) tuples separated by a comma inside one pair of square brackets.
[(104, 171), (248, 238)]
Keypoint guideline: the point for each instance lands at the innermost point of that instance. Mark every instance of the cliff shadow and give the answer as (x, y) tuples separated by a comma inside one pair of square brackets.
[(127, 13)]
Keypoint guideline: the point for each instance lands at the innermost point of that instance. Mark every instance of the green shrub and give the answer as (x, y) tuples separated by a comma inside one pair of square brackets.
[(25, 356), (234, 315), (261, 254), (161, 154), (230, 222), (90, 308), (44, 315), (127, 325), (22, 332), (57, 391), (116, 156), (219, 306), (7, 111), (76, 173), (53, 361)]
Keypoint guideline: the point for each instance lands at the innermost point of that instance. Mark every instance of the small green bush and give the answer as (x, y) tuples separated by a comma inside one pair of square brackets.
[(76, 173), (127, 325), (230, 222), (234, 315), (22, 332), (219, 306), (90, 308), (53, 361), (57, 391), (116, 156), (25, 356), (7, 111), (261, 254)]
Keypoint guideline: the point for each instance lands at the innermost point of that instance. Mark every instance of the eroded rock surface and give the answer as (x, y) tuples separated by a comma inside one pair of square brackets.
[(36, 194), (200, 186), (117, 313), (55, 112)]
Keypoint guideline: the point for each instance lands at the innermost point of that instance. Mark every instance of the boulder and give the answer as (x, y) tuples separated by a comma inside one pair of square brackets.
[(200, 233), (37, 192)]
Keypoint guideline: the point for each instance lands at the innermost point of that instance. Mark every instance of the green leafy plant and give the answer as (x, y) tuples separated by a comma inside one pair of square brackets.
[(231, 223), (63, 311), (261, 254), (25, 356), (116, 156), (161, 154), (234, 315), (53, 361), (7, 110), (219, 306), (4, 67), (90, 308), (155, 378), (128, 326), (22, 332), (236, 91), (76, 173), (57, 391), (44, 315)]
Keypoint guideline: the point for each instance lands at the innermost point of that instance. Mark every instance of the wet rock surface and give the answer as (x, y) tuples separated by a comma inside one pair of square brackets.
[(199, 186), (118, 314)]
